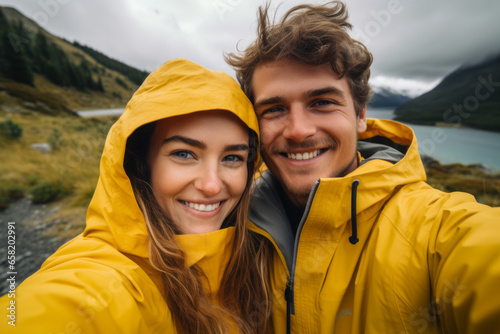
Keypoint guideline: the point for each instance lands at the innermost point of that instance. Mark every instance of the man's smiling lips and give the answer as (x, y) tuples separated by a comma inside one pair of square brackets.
[(301, 156)]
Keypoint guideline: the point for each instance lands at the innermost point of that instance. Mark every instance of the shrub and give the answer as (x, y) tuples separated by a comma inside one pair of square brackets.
[(4, 202), (12, 192), (11, 130), (55, 139), (121, 82), (45, 193), (9, 194)]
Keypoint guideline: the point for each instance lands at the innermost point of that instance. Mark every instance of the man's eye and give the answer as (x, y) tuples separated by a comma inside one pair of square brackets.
[(183, 154), (272, 110), (275, 109), (320, 103)]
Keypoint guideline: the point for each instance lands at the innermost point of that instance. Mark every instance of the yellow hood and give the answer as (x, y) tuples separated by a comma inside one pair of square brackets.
[(178, 87), (101, 281)]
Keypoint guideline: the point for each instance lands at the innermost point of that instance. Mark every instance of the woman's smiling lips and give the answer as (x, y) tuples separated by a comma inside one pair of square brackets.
[(203, 208)]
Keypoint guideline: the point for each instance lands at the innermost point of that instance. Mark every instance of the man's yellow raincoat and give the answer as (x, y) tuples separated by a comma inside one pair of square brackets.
[(380, 251), (101, 281)]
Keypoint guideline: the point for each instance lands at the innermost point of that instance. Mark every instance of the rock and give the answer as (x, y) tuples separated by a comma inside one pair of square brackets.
[(53, 240), (43, 106), (11, 109), (29, 105), (40, 227), (22, 256), (42, 147)]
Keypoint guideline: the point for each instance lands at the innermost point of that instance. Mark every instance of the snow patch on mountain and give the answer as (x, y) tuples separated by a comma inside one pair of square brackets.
[(400, 86)]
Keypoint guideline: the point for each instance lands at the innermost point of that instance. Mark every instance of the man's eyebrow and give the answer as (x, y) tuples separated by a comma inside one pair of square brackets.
[(308, 94), (325, 90), (268, 101), (185, 140)]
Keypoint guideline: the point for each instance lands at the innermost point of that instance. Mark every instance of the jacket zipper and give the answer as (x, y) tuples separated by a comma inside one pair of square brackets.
[(289, 291)]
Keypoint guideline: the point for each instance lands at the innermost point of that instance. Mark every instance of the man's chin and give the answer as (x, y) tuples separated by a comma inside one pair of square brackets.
[(298, 194)]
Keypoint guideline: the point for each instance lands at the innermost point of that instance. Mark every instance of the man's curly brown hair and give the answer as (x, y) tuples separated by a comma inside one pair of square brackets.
[(314, 35)]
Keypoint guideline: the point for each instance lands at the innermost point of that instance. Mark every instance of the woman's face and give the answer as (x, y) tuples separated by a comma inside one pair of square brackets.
[(198, 166)]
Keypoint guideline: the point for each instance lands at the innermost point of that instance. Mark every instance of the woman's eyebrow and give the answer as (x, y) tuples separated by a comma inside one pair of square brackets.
[(202, 145), (237, 147), (185, 140)]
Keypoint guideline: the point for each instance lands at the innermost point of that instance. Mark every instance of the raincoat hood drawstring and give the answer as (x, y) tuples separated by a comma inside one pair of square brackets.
[(353, 239)]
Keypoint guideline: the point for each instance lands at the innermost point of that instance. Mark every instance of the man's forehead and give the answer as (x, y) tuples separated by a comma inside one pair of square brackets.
[(276, 78)]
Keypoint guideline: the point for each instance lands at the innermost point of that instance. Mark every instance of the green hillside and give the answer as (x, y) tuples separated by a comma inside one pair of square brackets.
[(42, 72), (135, 75), (469, 96)]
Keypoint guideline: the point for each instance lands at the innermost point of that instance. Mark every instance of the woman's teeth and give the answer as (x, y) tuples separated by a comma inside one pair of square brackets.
[(203, 207)]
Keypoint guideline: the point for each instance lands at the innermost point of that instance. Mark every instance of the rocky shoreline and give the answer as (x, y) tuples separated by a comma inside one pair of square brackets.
[(33, 245)]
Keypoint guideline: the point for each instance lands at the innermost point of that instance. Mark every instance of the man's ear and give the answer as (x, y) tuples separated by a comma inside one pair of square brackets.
[(362, 120)]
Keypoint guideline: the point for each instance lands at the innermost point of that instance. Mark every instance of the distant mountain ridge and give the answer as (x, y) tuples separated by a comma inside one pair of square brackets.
[(468, 96), (49, 74), (383, 97)]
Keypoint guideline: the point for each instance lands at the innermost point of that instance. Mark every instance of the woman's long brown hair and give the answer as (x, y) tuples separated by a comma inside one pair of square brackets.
[(244, 295)]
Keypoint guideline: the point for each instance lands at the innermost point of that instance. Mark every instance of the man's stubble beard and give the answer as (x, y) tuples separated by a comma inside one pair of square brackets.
[(302, 193)]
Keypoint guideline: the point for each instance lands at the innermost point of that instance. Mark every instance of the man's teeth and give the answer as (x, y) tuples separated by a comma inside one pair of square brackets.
[(303, 156), (203, 207)]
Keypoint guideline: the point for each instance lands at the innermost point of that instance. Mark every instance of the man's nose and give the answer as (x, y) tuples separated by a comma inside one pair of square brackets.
[(299, 125)]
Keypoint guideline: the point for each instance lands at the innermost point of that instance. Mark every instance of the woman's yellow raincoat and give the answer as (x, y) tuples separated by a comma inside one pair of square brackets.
[(101, 281)]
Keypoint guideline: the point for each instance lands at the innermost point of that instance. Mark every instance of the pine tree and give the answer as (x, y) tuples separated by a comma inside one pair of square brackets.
[(13, 61), (100, 86), (18, 67), (3, 36)]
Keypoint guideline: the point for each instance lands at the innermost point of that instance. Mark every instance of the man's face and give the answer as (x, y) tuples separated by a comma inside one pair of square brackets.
[(308, 124)]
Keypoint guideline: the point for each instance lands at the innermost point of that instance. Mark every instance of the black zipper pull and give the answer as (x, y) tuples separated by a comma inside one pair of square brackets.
[(289, 288), (290, 309)]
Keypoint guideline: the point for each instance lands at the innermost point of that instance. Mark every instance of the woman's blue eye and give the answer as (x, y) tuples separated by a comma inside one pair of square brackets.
[(183, 154), (233, 158)]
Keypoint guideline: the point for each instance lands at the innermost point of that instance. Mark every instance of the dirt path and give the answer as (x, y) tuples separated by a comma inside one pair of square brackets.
[(34, 237)]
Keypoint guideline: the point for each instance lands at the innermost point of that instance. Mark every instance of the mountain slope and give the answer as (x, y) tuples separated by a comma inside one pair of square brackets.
[(48, 74), (468, 96)]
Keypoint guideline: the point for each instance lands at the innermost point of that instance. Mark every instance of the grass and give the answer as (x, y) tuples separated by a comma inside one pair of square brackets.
[(72, 166), (50, 99), (52, 103), (473, 179)]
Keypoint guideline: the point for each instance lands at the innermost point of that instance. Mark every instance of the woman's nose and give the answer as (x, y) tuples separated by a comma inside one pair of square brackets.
[(209, 181)]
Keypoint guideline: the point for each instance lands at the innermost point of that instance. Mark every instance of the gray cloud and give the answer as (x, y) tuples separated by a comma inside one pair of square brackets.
[(427, 39), (419, 40)]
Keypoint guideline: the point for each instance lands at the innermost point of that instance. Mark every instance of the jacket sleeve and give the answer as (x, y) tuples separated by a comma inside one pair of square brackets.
[(464, 264), (87, 298)]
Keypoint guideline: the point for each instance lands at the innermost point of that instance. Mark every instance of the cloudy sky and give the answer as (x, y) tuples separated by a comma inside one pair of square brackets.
[(415, 43)]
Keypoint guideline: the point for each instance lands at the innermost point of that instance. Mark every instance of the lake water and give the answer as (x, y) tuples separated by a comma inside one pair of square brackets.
[(450, 144), (101, 112), (445, 144)]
